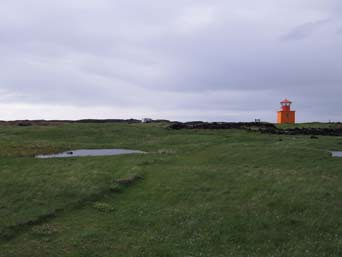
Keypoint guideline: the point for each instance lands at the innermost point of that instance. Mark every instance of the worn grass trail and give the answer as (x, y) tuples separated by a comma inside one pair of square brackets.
[(204, 193)]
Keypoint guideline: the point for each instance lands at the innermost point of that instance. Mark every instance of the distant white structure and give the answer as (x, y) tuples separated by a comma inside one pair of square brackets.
[(146, 120)]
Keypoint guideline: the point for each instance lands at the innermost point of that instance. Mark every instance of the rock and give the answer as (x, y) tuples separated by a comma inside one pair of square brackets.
[(222, 125)]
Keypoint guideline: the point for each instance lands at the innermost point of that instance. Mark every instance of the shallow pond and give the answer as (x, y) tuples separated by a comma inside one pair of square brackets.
[(336, 154), (89, 152)]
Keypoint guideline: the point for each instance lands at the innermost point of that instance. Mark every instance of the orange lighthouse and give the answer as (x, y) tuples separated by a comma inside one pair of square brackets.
[(286, 115)]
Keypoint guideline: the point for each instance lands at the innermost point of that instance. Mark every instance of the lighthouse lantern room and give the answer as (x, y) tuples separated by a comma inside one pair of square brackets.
[(285, 115)]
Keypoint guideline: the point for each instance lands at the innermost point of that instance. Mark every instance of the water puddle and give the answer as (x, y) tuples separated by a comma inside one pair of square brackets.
[(89, 152), (336, 154)]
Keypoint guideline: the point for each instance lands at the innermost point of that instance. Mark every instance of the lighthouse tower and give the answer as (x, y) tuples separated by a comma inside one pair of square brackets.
[(286, 115)]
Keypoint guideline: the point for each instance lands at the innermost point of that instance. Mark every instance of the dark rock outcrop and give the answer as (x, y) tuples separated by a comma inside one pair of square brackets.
[(304, 131), (222, 125), (263, 127)]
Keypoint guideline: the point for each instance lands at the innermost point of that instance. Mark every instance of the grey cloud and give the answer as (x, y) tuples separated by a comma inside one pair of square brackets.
[(339, 30), (305, 30), (172, 57)]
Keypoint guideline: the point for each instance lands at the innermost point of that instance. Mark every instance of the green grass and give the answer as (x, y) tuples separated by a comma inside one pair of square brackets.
[(204, 193)]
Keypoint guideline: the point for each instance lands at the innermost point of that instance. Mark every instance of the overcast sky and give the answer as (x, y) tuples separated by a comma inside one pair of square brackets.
[(209, 60)]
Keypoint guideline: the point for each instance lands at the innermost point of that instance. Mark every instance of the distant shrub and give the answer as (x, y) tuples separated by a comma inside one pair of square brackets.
[(24, 124)]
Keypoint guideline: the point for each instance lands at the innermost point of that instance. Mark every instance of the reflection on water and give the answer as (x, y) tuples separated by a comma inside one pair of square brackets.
[(89, 152), (336, 154)]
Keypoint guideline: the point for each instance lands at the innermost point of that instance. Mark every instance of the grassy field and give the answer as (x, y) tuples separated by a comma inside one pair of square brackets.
[(222, 193)]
